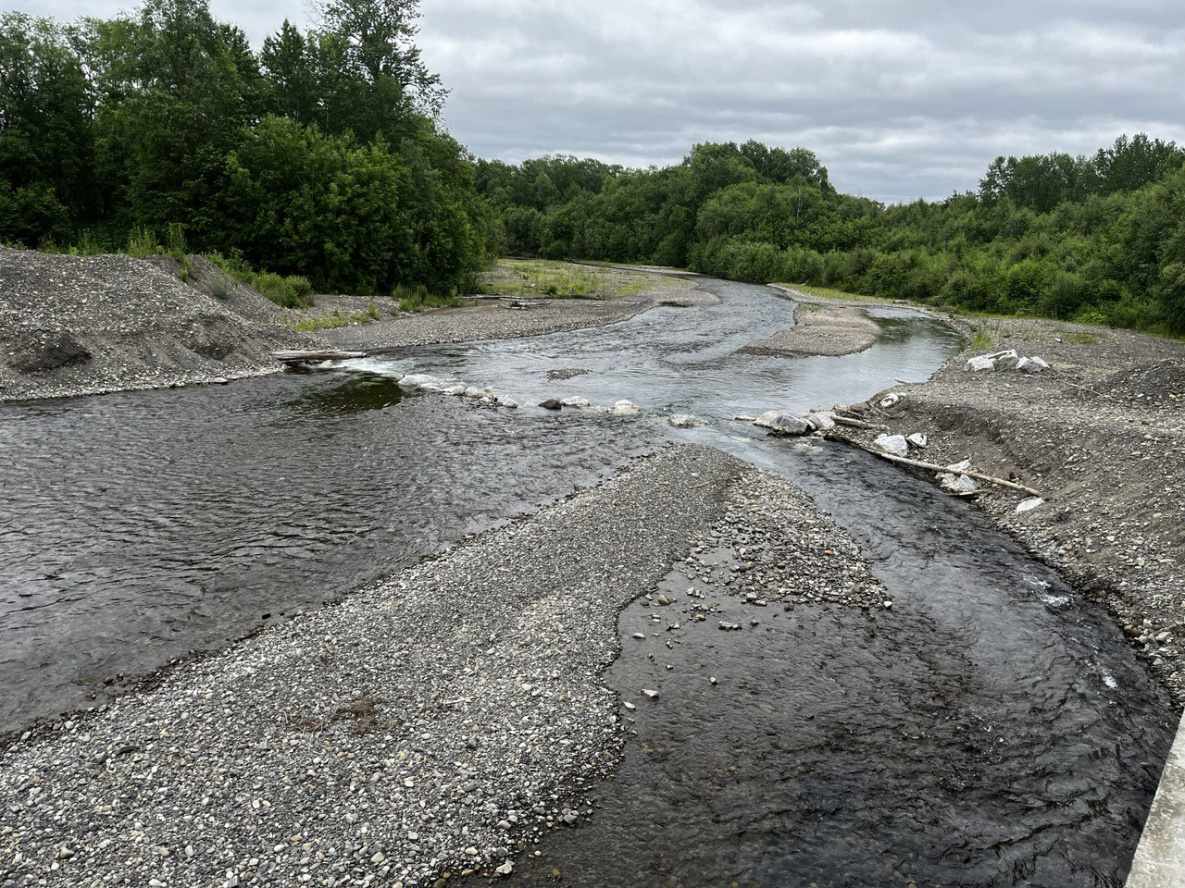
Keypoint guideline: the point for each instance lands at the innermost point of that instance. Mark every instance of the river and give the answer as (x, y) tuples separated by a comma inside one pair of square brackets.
[(994, 728)]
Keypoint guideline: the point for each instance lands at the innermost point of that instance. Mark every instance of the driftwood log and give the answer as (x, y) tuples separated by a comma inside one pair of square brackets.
[(313, 356), (935, 467)]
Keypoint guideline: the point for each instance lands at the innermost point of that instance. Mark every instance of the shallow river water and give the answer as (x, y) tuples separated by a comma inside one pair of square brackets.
[(992, 729)]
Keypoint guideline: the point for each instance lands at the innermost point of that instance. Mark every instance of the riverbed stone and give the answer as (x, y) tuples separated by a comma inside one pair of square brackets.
[(783, 423), (895, 445)]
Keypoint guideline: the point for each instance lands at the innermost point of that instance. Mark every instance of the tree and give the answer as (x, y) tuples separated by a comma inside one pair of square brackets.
[(379, 35), (46, 135)]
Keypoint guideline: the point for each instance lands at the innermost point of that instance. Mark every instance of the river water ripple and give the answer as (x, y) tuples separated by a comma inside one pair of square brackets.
[(992, 729)]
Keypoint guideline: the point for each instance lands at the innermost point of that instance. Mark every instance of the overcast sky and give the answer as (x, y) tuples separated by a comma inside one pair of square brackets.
[(899, 98)]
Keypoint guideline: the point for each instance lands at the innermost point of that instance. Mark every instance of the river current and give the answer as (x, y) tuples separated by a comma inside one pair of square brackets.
[(993, 729)]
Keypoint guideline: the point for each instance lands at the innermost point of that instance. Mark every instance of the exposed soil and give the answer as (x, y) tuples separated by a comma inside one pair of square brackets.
[(73, 325), (1101, 436)]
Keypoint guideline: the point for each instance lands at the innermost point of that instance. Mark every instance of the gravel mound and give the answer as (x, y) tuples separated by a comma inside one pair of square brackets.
[(73, 325), (492, 319), (432, 724), (820, 329), (1101, 436)]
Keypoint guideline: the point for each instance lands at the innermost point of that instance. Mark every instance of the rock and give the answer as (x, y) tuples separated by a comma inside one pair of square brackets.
[(685, 421), (505, 869), (478, 393), (783, 423), (918, 440), (576, 401), (649, 694), (508, 403), (552, 404), (890, 400), (957, 484), (1007, 362), (821, 421), (892, 444), (989, 361), (1028, 505), (626, 408), (1032, 365)]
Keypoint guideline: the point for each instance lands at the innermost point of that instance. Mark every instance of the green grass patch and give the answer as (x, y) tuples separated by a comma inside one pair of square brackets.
[(418, 298), (981, 340), (828, 293), (331, 321), (291, 291), (543, 278)]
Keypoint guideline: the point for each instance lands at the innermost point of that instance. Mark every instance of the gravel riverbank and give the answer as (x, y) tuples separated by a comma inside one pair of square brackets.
[(73, 325), (430, 724), (1100, 435), (822, 327)]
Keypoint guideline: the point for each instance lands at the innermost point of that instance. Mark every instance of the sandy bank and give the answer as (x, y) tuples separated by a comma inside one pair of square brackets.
[(822, 327), (1101, 435)]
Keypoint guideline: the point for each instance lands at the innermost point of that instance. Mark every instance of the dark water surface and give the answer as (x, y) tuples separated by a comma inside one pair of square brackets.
[(991, 729)]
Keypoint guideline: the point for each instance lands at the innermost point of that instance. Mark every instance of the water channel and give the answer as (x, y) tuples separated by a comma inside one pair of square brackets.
[(993, 729)]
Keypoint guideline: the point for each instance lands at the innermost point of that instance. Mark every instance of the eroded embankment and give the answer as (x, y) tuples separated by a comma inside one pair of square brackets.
[(74, 325), (1101, 436)]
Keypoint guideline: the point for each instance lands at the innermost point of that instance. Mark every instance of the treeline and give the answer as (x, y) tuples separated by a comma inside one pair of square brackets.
[(319, 155), (1098, 239)]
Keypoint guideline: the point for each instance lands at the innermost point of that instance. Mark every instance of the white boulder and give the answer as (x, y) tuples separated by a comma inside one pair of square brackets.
[(783, 423), (895, 445)]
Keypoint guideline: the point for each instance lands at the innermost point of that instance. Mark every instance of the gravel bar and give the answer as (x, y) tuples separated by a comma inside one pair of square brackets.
[(492, 319), (432, 725)]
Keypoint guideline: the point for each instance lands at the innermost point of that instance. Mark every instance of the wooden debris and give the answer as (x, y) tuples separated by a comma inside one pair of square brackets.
[(856, 423), (314, 356), (935, 467)]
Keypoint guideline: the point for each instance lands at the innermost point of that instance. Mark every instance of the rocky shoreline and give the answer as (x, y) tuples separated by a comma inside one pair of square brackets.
[(1100, 436), (435, 725)]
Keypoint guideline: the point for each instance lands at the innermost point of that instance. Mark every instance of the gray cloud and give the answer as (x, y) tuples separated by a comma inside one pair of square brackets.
[(899, 98)]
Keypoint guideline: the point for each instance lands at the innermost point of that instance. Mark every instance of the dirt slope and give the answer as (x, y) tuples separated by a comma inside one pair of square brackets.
[(74, 325)]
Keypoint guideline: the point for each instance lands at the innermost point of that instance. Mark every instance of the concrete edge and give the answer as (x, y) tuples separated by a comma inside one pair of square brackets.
[(1160, 857)]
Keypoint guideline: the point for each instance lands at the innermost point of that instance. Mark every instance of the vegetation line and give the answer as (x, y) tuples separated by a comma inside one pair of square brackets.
[(321, 158)]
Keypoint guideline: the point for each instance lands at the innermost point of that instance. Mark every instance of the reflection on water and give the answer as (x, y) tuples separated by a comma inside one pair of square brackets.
[(136, 527)]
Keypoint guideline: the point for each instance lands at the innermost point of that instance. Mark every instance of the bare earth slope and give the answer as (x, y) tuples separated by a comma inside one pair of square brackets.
[(74, 325), (1101, 435)]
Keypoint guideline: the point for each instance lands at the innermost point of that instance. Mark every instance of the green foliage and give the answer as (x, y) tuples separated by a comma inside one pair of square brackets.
[(319, 157), (331, 321), (1098, 239), (417, 298)]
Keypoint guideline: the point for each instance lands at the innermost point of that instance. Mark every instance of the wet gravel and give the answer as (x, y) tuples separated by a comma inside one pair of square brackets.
[(432, 725), (1101, 436)]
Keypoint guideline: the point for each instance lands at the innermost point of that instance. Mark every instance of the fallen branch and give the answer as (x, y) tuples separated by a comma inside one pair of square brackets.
[(856, 423), (934, 467)]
